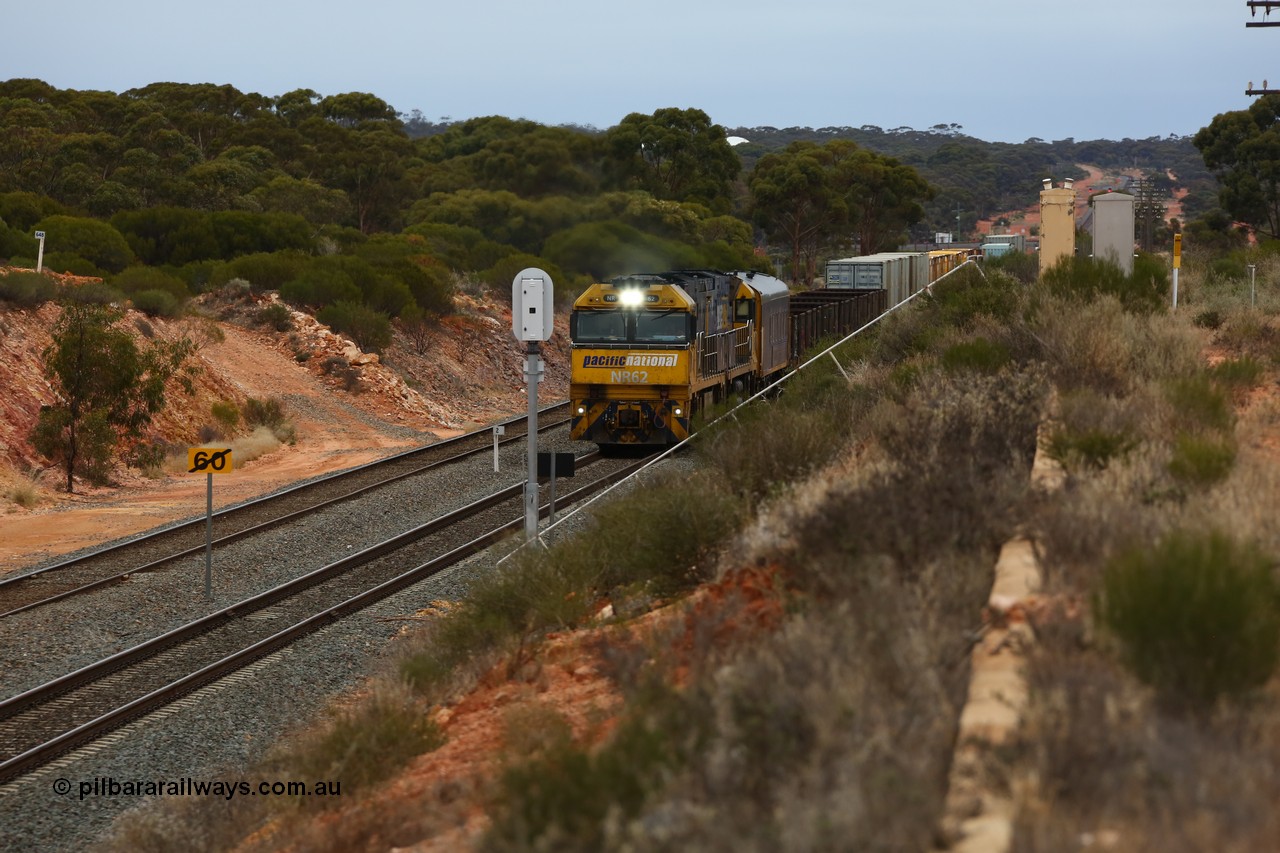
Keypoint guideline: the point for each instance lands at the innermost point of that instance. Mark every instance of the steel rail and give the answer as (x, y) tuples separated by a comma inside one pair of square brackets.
[(325, 479), (37, 756), (9, 583)]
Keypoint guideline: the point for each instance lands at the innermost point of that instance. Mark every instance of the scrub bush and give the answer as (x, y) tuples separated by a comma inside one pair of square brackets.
[(1197, 616), (1202, 460)]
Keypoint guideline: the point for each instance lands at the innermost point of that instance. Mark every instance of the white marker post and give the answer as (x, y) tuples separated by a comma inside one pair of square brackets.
[(1253, 291), (212, 460), (40, 251), (1177, 262), (497, 431), (532, 321)]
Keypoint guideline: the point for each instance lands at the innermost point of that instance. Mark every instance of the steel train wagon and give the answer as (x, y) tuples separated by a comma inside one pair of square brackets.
[(899, 274), (650, 350)]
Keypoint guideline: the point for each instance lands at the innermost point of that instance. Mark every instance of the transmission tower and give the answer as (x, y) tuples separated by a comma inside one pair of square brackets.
[(1148, 211), (1266, 6)]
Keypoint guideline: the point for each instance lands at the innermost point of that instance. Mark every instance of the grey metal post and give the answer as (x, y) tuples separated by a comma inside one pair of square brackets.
[(1253, 293), (531, 487), (208, 541), (552, 518)]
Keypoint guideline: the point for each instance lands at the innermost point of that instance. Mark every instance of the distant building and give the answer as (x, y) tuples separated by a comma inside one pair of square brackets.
[(1015, 242), (1112, 229), (1057, 223)]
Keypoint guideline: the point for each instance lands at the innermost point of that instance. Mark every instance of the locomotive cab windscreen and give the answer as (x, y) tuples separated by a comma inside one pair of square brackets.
[(670, 327)]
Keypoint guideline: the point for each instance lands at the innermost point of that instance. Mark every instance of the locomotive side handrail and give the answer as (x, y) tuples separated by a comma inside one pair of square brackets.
[(723, 351)]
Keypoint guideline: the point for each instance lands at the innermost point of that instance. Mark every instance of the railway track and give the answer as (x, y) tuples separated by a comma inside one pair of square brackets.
[(42, 723), (151, 551)]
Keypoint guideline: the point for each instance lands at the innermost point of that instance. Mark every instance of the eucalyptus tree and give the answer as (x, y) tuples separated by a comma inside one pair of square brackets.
[(106, 389), (674, 154), (1242, 148)]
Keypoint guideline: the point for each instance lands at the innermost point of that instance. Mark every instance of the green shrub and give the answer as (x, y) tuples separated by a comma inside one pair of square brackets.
[(27, 289), (465, 634), (1208, 319), (1197, 616), (269, 412), (764, 450), (498, 277), (964, 296), (562, 797), (227, 414), (91, 240), (371, 330), (320, 286), (1087, 278), (645, 541), (1243, 372), (1020, 266), (277, 316), (1202, 460), (1092, 448), (137, 279), (1248, 332), (157, 303), (263, 270), (92, 293), (1229, 267), (979, 355), (365, 744), (1197, 402)]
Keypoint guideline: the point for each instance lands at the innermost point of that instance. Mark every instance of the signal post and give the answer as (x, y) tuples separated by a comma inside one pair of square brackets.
[(532, 321)]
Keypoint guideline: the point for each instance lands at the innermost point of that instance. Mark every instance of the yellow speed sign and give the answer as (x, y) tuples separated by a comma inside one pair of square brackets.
[(209, 460)]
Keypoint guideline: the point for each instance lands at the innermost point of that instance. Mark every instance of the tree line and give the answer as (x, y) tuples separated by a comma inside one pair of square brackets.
[(342, 198), (191, 178)]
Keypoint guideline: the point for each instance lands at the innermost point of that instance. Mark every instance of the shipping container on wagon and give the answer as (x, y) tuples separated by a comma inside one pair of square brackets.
[(831, 314), (899, 274), (917, 272)]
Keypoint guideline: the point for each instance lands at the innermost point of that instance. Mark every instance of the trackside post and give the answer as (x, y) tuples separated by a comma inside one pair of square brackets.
[(532, 321), (211, 460)]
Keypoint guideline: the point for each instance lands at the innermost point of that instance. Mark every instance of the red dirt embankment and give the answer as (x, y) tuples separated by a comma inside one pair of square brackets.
[(471, 373)]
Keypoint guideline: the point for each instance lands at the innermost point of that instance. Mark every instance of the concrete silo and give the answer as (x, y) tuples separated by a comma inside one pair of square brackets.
[(1057, 223)]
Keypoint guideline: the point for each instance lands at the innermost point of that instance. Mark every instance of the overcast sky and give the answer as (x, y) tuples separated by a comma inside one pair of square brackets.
[(1004, 71)]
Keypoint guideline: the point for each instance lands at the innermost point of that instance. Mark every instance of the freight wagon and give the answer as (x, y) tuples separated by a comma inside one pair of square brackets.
[(899, 274)]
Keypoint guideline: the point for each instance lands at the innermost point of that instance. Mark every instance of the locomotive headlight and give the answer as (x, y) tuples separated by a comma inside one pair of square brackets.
[(631, 298), (582, 410), (677, 411)]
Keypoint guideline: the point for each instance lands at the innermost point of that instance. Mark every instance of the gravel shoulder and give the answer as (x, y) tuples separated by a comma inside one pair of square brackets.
[(216, 730)]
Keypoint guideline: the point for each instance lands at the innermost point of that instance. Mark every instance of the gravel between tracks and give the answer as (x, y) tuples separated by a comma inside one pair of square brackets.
[(213, 733)]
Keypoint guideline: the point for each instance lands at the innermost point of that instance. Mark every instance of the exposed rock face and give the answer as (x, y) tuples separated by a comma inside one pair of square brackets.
[(23, 388), (471, 372)]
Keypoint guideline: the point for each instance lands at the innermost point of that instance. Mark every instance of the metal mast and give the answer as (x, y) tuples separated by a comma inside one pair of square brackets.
[(1266, 6)]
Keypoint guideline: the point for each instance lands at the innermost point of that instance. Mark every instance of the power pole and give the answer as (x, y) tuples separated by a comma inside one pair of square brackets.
[(1266, 6)]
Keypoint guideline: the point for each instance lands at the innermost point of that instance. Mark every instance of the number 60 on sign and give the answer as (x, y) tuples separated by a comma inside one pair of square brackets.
[(209, 460)]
